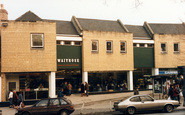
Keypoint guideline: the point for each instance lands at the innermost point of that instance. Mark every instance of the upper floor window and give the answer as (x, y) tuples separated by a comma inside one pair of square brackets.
[(37, 40), (109, 46), (142, 45), (123, 47), (176, 47), (67, 42), (94, 45), (150, 45), (163, 48), (77, 43)]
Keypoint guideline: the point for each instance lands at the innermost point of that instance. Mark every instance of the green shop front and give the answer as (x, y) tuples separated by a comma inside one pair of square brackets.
[(69, 66), (143, 65)]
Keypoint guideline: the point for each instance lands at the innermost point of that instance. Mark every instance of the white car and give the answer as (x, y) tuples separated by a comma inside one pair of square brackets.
[(143, 103)]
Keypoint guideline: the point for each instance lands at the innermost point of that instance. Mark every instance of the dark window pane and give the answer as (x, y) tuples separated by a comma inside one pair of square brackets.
[(142, 45), (150, 45), (63, 102), (67, 43), (77, 43), (163, 47), (176, 47), (37, 40), (94, 45), (109, 46), (123, 46), (135, 99), (54, 102), (42, 103)]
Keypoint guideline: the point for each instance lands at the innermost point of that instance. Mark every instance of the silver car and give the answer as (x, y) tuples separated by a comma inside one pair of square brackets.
[(144, 103)]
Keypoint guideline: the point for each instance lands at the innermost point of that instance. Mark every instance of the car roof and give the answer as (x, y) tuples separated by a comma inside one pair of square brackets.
[(139, 95)]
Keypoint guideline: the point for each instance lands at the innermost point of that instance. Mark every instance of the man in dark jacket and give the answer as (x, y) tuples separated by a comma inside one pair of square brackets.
[(60, 93)]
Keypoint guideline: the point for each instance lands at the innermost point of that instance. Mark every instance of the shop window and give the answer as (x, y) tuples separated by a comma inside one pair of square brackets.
[(163, 48), (77, 43), (37, 40), (123, 47), (67, 43), (94, 46), (176, 47), (109, 46), (150, 45)]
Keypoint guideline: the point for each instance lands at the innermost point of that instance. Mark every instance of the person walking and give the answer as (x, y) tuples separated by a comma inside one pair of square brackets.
[(20, 100), (175, 93), (170, 92), (178, 93), (10, 97), (136, 90), (15, 99), (82, 90), (87, 89), (69, 86), (60, 93), (65, 88)]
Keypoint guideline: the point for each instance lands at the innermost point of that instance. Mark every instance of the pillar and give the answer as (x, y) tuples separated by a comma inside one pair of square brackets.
[(130, 80), (155, 71), (52, 85), (0, 88), (85, 77)]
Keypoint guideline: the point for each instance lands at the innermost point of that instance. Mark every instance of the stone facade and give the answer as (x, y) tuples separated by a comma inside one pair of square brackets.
[(169, 59), (103, 61), (17, 53)]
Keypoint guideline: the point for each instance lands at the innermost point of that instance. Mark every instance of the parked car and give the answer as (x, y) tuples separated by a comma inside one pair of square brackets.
[(144, 103), (59, 106)]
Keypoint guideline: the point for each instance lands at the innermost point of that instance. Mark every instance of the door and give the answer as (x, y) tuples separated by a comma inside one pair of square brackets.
[(136, 102), (12, 86), (148, 103), (40, 108), (54, 106)]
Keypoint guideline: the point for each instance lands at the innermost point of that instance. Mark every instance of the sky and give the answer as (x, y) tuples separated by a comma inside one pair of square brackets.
[(130, 12)]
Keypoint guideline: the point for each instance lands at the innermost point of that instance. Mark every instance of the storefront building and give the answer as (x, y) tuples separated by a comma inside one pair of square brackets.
[(143, 48), (28, 57), (107, 54)]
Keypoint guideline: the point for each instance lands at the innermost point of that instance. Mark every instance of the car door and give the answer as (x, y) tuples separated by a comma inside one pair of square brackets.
[(136, 102), (148, 103), (40, 108), (54, 106)]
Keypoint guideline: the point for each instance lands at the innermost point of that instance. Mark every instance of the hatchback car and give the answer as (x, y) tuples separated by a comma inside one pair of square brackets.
[(59, 106), (144, 103)]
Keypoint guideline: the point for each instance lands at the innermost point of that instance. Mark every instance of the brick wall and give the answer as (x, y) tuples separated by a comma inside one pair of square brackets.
[(169, 59), (103, 61), (17, 54)]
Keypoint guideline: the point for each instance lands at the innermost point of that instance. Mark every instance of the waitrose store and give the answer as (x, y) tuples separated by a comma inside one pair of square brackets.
[(69, 65)]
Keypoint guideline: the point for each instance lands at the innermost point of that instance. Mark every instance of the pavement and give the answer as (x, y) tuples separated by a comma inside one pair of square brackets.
[(91, 104)]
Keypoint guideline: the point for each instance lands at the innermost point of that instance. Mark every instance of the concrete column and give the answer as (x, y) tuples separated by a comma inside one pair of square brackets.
[(0, 89), (52, 85), (85, 77), (155, 71), (130, 80)]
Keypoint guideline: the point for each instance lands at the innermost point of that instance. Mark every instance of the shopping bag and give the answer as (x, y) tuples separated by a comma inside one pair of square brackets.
[(181, 94)]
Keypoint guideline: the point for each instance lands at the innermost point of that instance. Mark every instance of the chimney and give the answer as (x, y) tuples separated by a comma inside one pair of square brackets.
[(2, 7)]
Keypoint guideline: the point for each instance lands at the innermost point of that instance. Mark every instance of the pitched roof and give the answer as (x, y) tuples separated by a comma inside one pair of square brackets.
[(29, 16), (167, 28), (100, 25), (138, 31), (65, 27)]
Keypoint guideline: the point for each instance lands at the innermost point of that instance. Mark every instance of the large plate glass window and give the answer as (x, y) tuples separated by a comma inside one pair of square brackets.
[(123, 47), (37, 40), (109, 46), (94, 45), (176, 47), (163, 48)]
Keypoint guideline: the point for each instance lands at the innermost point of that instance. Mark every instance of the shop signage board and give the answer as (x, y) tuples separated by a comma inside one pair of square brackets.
[(168, 72), (69, 57)]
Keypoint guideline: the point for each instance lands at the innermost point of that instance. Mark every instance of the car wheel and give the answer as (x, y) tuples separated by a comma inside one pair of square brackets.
[(63, 113), (131, 110), (169, 108), (25, 113)]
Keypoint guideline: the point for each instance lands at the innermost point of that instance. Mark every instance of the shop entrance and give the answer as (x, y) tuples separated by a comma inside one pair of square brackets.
[(70, 76)]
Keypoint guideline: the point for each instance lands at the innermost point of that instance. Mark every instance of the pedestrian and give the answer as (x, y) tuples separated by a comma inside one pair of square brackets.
[(60, 93), (82, 90), (175, 93), (15, 99), (170, 92), (10, 97), (136, 90), (87, 89), (65, 90), (69, 87), (178, 93), (20, 100)]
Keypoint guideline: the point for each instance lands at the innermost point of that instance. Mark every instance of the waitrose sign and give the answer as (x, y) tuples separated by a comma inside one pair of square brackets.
[(69, 57)]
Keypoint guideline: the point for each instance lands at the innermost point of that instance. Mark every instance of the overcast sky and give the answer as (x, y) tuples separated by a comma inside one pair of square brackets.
[(133, 12)]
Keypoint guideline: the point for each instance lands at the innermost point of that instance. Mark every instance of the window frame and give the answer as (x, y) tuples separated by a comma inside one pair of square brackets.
[(174, 48), (42, 34), (109, 51), (125, 47), (165, 47), (96, 44)]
